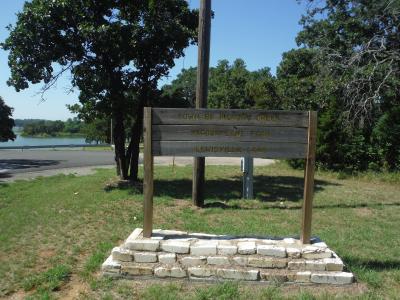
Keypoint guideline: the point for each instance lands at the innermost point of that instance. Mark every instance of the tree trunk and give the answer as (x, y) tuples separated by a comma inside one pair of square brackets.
[(136, 133), (119, 141)]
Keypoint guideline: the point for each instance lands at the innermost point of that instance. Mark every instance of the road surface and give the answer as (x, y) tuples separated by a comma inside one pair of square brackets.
[(17, 164)]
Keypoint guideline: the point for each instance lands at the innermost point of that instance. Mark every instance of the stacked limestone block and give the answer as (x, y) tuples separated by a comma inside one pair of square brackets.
[(177, 254)]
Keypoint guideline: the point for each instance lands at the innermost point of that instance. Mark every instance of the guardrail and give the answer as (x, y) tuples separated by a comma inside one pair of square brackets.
[(53, 146)]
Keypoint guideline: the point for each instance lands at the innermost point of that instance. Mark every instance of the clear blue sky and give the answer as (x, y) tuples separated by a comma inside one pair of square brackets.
[(258, 31)]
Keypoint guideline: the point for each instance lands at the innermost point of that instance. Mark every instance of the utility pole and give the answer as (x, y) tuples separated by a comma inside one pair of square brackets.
[(201, 93)]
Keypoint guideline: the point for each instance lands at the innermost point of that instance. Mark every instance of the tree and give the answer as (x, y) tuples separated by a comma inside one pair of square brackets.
[(183, 88), (230, 86), (261, 89), (297, 76), (358, 44), (386, 135), (72, 126), (227, 86), (356, 49), (98, 131), (6, 122), (115, 50)]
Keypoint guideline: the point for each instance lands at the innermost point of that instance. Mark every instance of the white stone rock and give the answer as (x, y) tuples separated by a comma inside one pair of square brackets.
[(172, 232), (203, 249), (247, 239), (238, 274), (217, 260), (136, 269), (296, 265), (315, 265), (145, 257), (167, 258), (206, 242), (260, 262), (333, 278), (271, 250), (303, 276), (227, 249), (135, 234), (193, 260), (175, 246), (240, 260), (227, 242), (111, 266), (289, 241), (175, 272), (293, 252), (143, 245), (267, 262), (121, 254), (333, 264), (311, 252), (320, 245), (201, 271), (268, 242), (246, 247)]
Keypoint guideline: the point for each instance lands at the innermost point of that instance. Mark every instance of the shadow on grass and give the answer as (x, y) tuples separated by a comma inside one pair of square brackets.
[(266, 188), (341, 205), (133, 187), (8, 165), (4, 174), (18, 164), (372, 264)]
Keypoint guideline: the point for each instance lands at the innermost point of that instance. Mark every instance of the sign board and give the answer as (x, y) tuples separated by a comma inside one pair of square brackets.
[(229, 133)]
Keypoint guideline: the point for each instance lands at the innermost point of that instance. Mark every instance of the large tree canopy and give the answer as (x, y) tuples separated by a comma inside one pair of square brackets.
[(358, 43), (6, 122), (115, 50), (230, 86), (353, 80)]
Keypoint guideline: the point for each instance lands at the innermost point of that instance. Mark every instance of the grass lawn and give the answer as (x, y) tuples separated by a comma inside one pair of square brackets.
[(55, 232)]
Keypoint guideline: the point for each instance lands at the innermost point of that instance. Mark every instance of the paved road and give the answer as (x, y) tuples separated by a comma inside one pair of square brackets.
[(16, 164)]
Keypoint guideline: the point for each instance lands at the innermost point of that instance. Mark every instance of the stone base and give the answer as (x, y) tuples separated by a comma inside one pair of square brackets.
[(199, 256)]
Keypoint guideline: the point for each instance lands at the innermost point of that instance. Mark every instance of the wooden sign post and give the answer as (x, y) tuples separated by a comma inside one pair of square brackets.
[(229, 133)]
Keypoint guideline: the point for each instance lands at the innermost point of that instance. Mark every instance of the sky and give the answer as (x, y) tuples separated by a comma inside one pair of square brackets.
[(258, 31)]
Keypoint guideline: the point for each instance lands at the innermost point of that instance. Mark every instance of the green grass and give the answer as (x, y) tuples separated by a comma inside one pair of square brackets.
[(55, 232), (50, 280)]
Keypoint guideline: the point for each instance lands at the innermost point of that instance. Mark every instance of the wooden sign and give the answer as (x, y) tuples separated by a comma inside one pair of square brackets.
[(229, 133)]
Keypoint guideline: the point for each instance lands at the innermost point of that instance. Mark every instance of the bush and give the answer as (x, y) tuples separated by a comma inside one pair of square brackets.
[(386, 138)]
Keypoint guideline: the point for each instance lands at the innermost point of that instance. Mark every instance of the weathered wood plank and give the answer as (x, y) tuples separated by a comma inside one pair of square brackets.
[(229, 149), (175, 116), (148, 185), (309, 180), (229, 133)]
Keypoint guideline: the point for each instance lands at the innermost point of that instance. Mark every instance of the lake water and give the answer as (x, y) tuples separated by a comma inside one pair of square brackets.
[(30, 141)]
